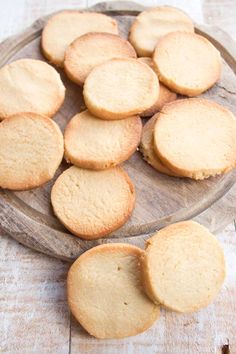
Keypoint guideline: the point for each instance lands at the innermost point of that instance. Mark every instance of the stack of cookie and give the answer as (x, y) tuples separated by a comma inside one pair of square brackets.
[(192, 138), (116, 290)]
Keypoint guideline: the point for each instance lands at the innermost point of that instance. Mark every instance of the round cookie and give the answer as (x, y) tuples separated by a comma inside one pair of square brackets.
[(94, 143), (105, 292), (93, 49), (183, 267), (92, 204), (120, 88), (187, 63), (196, 138), (63, 28), (165, 95), (31, 150), (146, 147), (29, 85), (151, 25)]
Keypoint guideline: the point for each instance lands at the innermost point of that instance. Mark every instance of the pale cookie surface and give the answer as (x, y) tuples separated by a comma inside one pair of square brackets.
[(151, 25), (94, 143), (165, 95), (105, 292), (146, 147), (183, 267), (196, 138), (63, 28), (92, 204), (93, 49), (29, 85), (120, 88), (187, 63), (31, 150)]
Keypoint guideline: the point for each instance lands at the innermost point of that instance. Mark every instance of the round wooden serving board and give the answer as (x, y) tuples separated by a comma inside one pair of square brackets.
[(28, 217)]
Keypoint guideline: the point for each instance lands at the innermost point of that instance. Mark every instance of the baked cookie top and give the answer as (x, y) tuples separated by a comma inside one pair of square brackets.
[(151, 25), (183, 267), (29, 85), (91, 142), (196, 138), (64, 27), (31, 150), (93, 49), (105, 292), (92, 204), (120, 88), (187, 63)]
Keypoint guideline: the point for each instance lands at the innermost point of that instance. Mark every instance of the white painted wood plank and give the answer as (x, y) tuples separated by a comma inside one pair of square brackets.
[(221, 13), (34, 317)]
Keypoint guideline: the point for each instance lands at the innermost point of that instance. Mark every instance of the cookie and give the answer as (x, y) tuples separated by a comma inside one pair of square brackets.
[(93, 49), (63, 28), (196, 138), (31, 150), (94, 143), (151, 25), (165, 95), (92, 204), (120, 88), (183, 267), (146, 147), (105, 292), (29, 85), (187, 63)]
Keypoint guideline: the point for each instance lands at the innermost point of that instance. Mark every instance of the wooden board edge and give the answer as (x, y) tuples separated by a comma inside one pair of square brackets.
[(77, 246)]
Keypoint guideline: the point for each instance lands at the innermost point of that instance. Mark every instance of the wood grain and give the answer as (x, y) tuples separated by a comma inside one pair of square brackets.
[(44, 276), (33, 308)]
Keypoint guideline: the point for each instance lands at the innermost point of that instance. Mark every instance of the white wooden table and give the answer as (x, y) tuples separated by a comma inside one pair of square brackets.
[(33, 311)]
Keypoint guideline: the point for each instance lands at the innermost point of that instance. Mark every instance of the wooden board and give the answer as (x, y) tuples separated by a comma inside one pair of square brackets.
[(33, 309), (27, 216)]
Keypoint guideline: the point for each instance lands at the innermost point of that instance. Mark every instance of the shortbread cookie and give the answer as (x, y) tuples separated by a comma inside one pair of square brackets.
[(63, 28), (120, 88), (151, 25), (196, 138), (183, 267), (29, 85), (187, 63), (93, 49), (105, 292), (94, 143), (165, 95), (31, 150), (147, 150), (91, 204)]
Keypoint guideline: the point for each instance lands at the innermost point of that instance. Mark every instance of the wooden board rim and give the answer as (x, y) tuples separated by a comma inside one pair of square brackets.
[(77, 245)]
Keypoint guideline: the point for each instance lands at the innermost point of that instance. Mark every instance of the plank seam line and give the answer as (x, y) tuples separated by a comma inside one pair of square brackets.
[(70, 337)]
